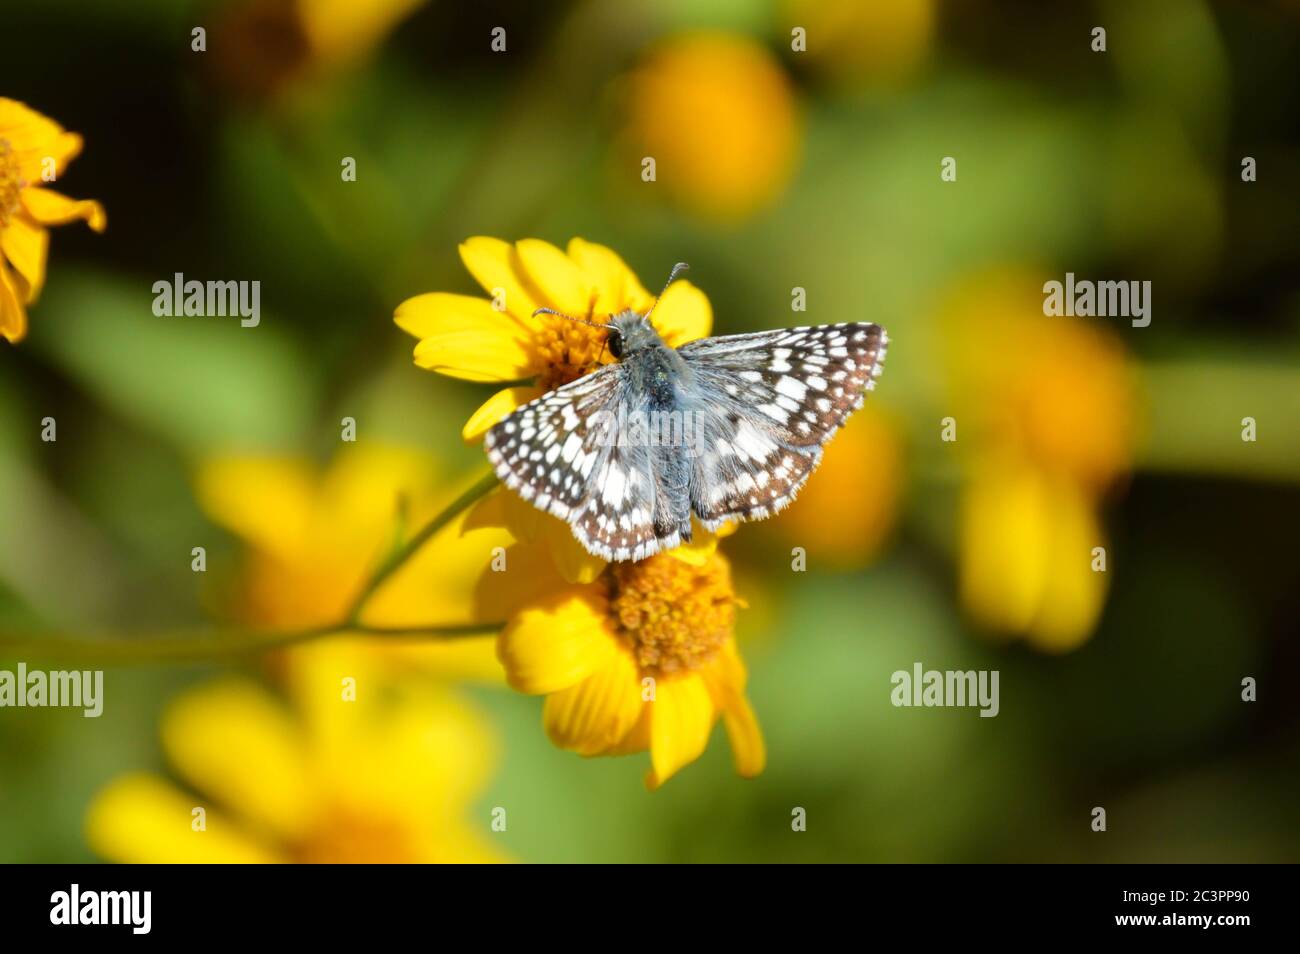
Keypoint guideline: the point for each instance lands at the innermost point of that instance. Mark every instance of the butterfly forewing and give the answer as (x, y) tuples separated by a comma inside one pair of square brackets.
[(548, 449), (772, 400), (557, 453)]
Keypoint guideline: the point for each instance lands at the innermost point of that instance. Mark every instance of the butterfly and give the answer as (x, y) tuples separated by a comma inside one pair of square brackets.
[(728, 428)]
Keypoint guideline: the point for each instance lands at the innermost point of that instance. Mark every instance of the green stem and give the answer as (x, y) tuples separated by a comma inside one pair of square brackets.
[(241, 642), (1195, 419), (210, 647), (426, 533)]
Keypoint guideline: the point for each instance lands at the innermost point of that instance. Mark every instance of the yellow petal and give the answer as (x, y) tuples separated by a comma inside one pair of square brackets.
[(488, 512), (465, 337), (748, 751), (440, 312), (437, 585), (573, 561), (683, 314), (725, 677), (266, 501), (1005, 521), (680, 721), (25, 244), (34, 138), (564, 285), (234, 743), (524, 521), (495, 265), (557, 644), (599, 711), (363, 485), (528, 577), (637, 738), (616, 285), (495, 409), (458, 748), (403, 747), (1074, 593), (483, 354), (141, 819), (462, 845), (528, 524), (50, 208), (13, 316), (702, 546)]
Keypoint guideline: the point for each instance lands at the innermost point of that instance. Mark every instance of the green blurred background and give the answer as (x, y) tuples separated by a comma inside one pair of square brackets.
[(1117, 165)]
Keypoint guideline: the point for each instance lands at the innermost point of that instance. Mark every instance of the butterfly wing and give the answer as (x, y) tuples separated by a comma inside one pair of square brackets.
[(561, 453), (770, 401)]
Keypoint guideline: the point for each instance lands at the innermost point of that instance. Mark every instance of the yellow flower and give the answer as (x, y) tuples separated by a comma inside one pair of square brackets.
[(340, 32), (1026, 543), (843, 518), (642, 658), (267, 47), (498, 339), (385, 778), (34, 151), (314, 537), (1046, 413), (717, 114)]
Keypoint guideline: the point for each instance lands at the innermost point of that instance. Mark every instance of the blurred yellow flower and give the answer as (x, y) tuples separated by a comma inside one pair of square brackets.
[(340, 32), (34, 151), (313, 537), (717, 114), (265, 47), (844, 517), (388, 777), (642, 658), (498, 339), (1046, 411), (1026, 543), (855, 43)]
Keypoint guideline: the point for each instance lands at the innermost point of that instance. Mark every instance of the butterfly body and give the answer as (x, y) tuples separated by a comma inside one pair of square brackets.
[(725, 428), (653, 368)]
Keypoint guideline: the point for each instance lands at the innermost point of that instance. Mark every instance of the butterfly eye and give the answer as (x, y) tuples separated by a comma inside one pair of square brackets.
[(615, 342)]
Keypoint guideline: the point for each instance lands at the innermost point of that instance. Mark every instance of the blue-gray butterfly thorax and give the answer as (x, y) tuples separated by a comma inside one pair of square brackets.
[(655, 371)]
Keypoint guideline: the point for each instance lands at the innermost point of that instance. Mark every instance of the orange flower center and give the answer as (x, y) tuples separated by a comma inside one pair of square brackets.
[(566, 350), (347, 836), (675, 616), (11, 182)]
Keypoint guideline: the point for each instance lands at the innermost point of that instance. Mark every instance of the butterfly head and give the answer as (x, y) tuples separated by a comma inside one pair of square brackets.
[(630, 332)]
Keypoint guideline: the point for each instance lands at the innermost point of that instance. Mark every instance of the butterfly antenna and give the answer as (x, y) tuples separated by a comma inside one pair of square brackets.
[(560, 314), (672, 277)]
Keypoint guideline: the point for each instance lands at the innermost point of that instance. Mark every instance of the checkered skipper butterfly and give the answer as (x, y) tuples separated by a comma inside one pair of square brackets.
[(728, 427)]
